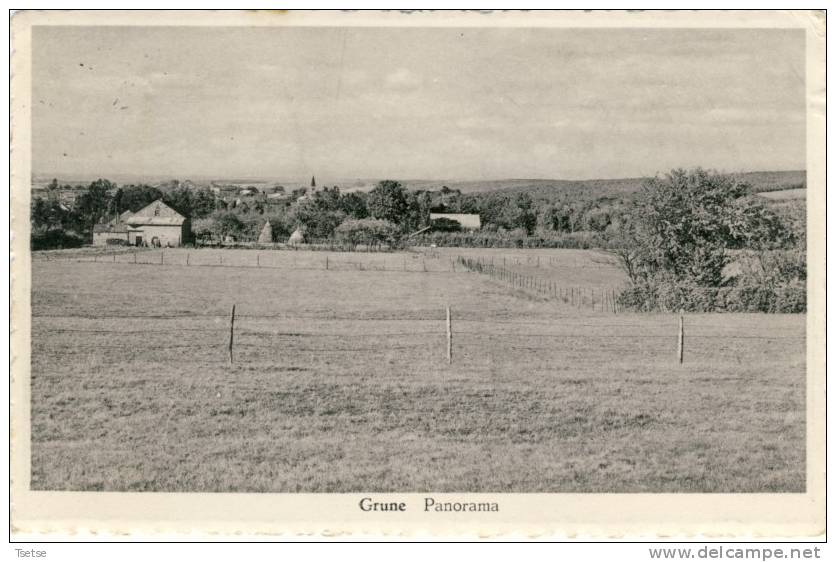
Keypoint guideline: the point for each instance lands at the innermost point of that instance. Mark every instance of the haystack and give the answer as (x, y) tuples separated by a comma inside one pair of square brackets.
[(298, 237), (266, 236)]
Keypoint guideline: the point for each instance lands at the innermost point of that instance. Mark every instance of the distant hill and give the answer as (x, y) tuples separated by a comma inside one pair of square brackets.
[(776, 181), (537, 188), (760, 181)]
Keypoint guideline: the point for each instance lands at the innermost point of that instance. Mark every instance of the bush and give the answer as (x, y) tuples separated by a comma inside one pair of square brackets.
[(366, 231), (55, 239), (670, 297), (226, 224), (517, 238)]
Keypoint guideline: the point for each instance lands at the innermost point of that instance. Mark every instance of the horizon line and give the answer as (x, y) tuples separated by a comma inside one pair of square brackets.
[(232, 177)]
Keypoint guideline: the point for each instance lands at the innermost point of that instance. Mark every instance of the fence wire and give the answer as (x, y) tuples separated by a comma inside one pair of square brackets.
[(249, 334)]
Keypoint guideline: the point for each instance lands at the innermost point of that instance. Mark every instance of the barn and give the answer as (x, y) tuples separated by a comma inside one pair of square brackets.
[(468, 221), (156, 225), (159, 225)]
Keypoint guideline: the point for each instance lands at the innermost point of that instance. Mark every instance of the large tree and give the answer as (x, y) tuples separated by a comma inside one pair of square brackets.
[(96, 203), (135, 197), (317, 219), (682, 224), (354, 205), (192, 203), (388, 201)]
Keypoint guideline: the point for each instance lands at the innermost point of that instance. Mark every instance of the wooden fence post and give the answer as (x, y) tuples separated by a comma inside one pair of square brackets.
[(162, 258), (231, 332), (135, 256), (681, 339), (449, 337), (187, 258), (257, 259), (326, 262)]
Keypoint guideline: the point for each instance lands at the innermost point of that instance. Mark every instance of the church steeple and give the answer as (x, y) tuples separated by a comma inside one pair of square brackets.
[(313, 181)]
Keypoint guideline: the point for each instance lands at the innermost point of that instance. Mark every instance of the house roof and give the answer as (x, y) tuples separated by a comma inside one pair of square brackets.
[(464, 219), (156, 214), (110, 228), (121, 218)]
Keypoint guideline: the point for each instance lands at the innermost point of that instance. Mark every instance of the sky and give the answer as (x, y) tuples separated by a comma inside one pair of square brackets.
[(414, 103)]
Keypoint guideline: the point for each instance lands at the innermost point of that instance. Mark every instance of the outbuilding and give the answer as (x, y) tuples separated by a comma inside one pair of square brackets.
[(467, 221), (110, 233), (156, 225)]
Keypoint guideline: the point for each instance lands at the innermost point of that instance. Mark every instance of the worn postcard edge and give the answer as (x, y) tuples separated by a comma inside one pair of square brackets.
[(108, 514)]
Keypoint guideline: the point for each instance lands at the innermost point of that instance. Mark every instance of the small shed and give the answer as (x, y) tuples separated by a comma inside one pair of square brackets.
[(468, 221), (110, 233)]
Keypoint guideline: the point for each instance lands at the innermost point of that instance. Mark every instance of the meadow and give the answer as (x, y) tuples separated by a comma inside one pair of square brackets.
[(340, 380), (798, 193)]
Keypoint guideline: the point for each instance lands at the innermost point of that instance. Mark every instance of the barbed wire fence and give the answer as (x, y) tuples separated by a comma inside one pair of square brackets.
[(413, 260), (525, 274), (437, 329), (602, 299)]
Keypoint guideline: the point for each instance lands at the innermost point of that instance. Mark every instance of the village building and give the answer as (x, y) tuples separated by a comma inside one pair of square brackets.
[(156, 225), (310, 191), (110, 233), (467, 221)]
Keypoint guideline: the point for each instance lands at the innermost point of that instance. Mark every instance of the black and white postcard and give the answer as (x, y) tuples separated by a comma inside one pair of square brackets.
[(549, 273)]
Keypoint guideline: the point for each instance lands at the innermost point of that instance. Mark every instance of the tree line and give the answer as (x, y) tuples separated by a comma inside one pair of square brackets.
[(692, 239), (319, 214)]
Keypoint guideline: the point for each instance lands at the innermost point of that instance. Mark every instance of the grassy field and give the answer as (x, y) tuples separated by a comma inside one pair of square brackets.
[(340, 381), (799, 193)]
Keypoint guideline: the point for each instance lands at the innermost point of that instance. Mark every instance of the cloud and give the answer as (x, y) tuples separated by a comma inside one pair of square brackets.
[(482, 122), (402, 79)]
